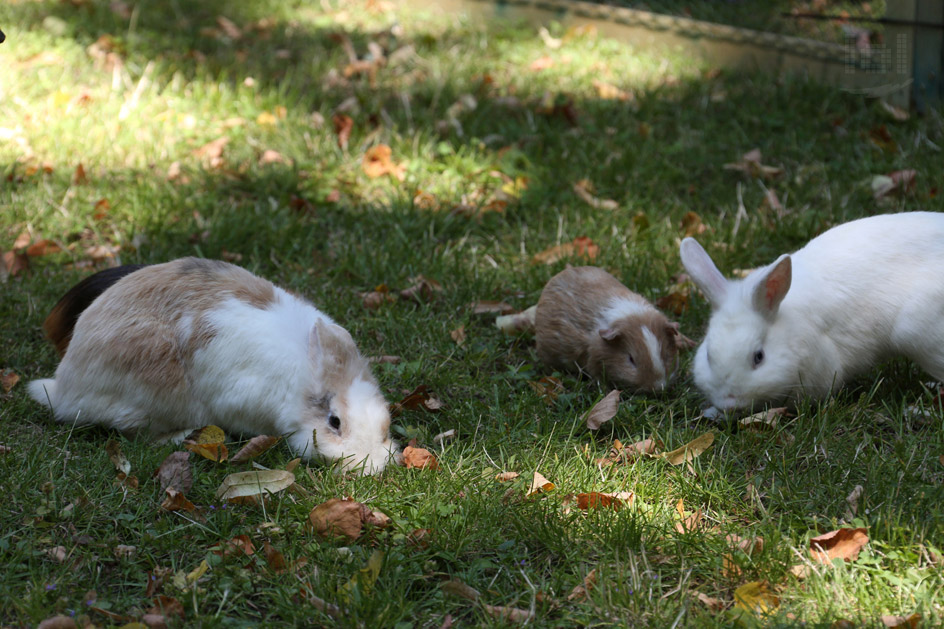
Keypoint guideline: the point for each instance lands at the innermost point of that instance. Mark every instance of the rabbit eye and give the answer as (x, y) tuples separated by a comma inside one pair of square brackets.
[(334, 422), (758, 357), (632, 361)]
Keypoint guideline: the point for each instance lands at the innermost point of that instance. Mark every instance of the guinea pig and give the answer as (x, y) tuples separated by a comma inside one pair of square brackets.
[(167, 348), (803, 325), (586, 320)]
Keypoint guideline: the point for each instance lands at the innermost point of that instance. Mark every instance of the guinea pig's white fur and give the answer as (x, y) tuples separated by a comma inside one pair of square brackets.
[(802, 326), (588, 321), (192, 342)]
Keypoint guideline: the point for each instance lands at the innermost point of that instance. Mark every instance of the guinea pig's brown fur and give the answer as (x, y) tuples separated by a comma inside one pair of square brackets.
[(587, 320)]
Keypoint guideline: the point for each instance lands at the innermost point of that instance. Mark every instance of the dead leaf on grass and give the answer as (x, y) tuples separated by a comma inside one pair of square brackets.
[(510, 614), (208, 443), (117, 457), (238, 544), (902, 622), (8, 380), (343, 125), (460, 589), (603, 411), (365, 578), (756, 597), (458, 335), (750, 165), (692, 224), (378, 162), (176, 501), (504, 477), (539, 484), (256, 446), (579, 593), (491, 307), (583, 189), (419, 458), (712, 603), (422, 289), (418, 399), (690, 450), (175, 472), (580, 247), (839, 544), (212, 152), (344, 518), (254, 483)]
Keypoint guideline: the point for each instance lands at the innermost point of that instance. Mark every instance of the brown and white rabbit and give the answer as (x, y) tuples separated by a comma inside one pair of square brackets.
[(587, 320), (168, 348)]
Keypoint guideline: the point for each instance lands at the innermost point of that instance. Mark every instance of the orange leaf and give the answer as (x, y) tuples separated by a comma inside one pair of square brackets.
[(419, 458), (42, 248), (504, 477), (8, 380), (842, 543), (79, 177), (344, 518), (239, 543), (580, 247), (597, 500), (547, 387), (580, 592), (378, 162), (214, 451), (256, 446), (176, 501), (343, 124), (540, 484), (274, 558)]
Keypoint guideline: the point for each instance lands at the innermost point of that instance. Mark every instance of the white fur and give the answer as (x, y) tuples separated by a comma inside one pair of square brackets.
[(253, 377), (655, 355), (858, 293), (620, 308)]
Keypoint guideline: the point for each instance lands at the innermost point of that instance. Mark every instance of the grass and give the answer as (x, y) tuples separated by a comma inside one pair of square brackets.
[(317, 224)]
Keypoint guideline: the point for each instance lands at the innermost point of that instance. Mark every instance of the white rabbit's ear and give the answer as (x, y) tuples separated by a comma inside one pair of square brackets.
[(704, 272), (314, 340), (608, 334), (773, 286)]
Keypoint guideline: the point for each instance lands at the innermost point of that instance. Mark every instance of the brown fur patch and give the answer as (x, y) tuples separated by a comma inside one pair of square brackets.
[(342, 361), (141, 319)]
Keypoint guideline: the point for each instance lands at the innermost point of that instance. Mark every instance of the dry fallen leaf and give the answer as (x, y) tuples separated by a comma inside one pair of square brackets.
[(117, 457), (541, 63), (176, 501), (583, 190), (57, 622), (419, 398), (491, 307), (344, 518), (208, 443), (902, 622), (460, 589), (894, 111), (13, 263), (510, 614), (714, 604), (458, 335), (175, 472), (254, 483), (364, 579), (602, 500), (692, 225), (899, 180), (422, 289), (690, 450), (539, 484), (420, 458), (378, 162), (603, 411), (548, 387), (343, 124), (8, 380), (839, 544), (764, 420), (504, 477), (42, 248), (607, 91), (212, 152), (756, 597), (751, 165), (580, 592), (580, 247), (256, 446), (238, 544)]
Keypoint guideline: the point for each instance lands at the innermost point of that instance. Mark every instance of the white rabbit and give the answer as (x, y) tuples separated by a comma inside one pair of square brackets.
[(168, 348), (859, 293)]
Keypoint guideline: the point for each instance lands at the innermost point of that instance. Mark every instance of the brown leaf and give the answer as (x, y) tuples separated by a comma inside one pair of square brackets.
[(901, 622), (57, 622), (270, 156), (376, 298), (598, 500), (540, 484), (751, 165), (117, 457), (274, 558), (419, 538), (458, 335), (541, 63), (238, 544), (43, 247), (176, 501), (606, 91), (491, 307), (422, 290), (583, 190), (13, 264), (212, 152), (213, 451), (343, 124), (714, 604), (580, 247), (8, 380), (842, 544), (131, 482), (419, 458), (689, 523), (580, 592), (228, 27), (378, 162), (419, 398), (344, 518), (510, 614), (692, 225), (459, 589), (691, 450), (603, 411), (504, 477), (676, 300), (548, 387), (175, 472), (256, 446), (167, 606), (79, 177)]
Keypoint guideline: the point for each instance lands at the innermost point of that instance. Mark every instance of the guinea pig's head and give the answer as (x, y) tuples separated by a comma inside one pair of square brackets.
[(347, 418), (638, 352)]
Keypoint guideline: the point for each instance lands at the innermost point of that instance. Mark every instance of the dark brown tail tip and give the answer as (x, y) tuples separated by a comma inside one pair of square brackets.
[(60, 323)]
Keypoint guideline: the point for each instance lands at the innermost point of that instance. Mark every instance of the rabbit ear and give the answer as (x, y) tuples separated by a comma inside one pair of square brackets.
[(773, 286), (609, 334), (704, 272), (315, 348)]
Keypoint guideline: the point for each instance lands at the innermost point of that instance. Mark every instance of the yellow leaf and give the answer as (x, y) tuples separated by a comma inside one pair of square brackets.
[(756, 597), (267, 119), (198, 572), (540, 484), (690, 450), (364, 580)]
